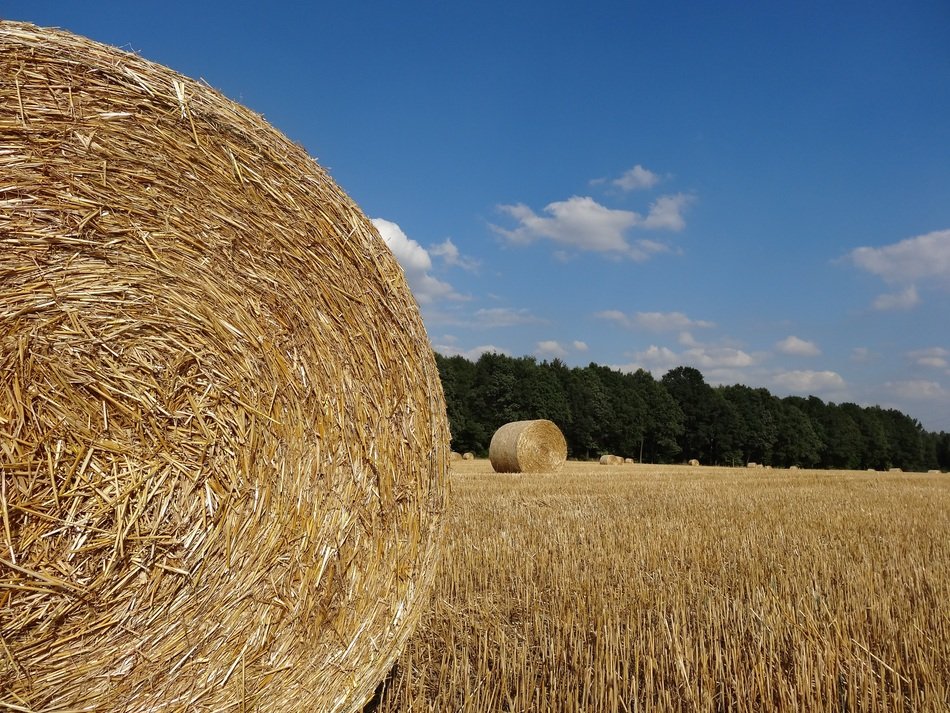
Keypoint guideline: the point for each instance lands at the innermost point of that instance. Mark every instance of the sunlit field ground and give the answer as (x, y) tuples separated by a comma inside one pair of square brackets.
[(667, 588)]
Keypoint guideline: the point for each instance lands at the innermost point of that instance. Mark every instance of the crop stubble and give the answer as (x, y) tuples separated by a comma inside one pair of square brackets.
[(682, 589)]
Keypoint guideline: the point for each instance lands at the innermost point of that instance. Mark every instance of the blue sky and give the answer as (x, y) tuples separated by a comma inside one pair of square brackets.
[(759, 190)]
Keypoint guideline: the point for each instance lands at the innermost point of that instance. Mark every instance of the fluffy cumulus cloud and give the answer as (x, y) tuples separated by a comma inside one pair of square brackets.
[(416, 264), (809, 382), (925, 258), (705, 358), (550, 349), (636, 178), (666, 212), (795, 346), (581, 223), (653, 321)]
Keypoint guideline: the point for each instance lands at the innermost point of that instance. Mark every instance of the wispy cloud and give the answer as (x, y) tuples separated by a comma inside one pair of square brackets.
[(505, 317), (451, 256), (934, 358), (917, 390), (795, 346), (905, 299), (550, 348), (653, 321), (666, 212), (416, 264)]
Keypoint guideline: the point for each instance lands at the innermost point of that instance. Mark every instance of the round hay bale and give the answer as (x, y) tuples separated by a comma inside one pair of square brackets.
[(528, 447), (455, 455), (468, 455), (628, 460), (693, 462), (222, 434), (609, 459)]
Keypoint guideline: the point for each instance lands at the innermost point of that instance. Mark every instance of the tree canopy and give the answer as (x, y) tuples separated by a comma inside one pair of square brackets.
[(678, 417)]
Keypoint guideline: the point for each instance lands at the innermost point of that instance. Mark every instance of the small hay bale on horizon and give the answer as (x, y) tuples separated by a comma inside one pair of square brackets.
[(610, 459), (693, 462), (223, 433), (536, 446), (468, 455)]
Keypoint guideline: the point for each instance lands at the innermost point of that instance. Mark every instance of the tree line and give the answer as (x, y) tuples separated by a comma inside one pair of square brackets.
[(678, 417)]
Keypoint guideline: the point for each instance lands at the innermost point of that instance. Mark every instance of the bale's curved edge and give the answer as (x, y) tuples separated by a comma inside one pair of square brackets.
[(222, 432), (535, 446)]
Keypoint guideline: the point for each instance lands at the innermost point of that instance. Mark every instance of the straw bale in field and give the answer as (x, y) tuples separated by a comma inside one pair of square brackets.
[(455, 455), (468, 455), (610, 459), (895, 470), (933, 470), (751, 464), (528, 447), (693, 461), (223, 440), (628, 460), (793, 467)]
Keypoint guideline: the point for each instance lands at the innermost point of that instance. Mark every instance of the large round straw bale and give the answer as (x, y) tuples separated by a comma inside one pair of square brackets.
[(223, 441), (527, 447)]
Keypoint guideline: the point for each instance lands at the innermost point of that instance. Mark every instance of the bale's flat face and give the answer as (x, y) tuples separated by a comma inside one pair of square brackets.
[(222, 434)]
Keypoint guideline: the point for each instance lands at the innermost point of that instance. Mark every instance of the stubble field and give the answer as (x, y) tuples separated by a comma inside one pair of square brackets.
[(666, 588)]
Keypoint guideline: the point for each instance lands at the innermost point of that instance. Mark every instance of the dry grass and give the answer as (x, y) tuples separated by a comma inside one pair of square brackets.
[(649, 588)]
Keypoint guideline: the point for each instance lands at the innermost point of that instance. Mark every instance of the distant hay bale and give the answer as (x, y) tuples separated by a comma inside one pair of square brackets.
[(628, 460), (693, 461), (608, 459), (793, 467), (222, 434), (895, 470), (751, 464), (933, 470), (468, 455), (455, 455), (528, 447)]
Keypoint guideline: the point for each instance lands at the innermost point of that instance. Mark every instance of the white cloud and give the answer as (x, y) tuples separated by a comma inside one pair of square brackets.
[(809, 382), (505, 317), (666, 212), (663, 359), (794, 346), (906, 299), (917, 389), (580, 346), (416, 264), (654, 321), (637, 178), (582, 223), (450, 254), (910, 260), (860, 354), (935, 357), (472, 354), (550, 348)]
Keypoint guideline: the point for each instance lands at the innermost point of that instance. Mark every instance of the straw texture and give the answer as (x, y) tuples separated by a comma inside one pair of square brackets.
[(223, 440), (528, 447)]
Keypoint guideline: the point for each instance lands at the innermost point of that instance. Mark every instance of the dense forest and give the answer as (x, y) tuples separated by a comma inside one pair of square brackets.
[(678, 417)]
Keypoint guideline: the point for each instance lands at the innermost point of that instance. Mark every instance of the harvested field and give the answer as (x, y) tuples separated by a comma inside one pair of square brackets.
[(678, 588)]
